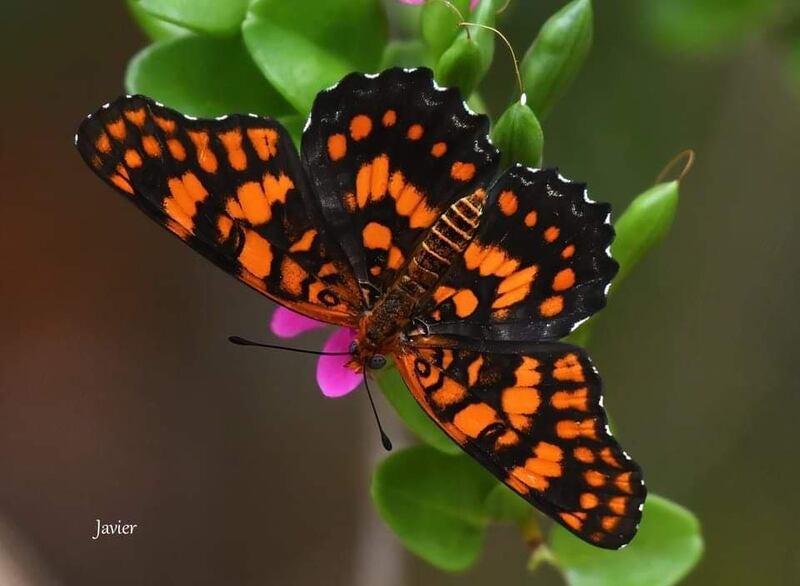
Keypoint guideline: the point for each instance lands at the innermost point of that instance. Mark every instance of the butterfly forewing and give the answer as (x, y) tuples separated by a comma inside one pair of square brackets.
[(532, 415), (233, 189), (386, 155)]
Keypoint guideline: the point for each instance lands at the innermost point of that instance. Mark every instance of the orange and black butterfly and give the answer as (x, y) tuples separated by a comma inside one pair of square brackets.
[(394, 221)]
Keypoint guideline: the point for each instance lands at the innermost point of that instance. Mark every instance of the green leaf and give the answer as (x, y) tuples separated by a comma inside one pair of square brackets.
[(155, 28), (554, 59), (304, 46), (397, 393), (203, 76), (214, 17), (644, 224), (460, 66), (440, 25), (519, 136), (484, 14), (403, 54), (704, 25), (667, 546), (435, 504), (503, 504)]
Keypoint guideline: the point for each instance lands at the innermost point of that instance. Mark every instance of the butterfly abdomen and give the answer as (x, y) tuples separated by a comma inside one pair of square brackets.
[(446, 240)]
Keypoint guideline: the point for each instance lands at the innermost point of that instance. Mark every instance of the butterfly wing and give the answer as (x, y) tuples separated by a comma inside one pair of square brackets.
[(538, 265), (234, 190), (387, 154), (532, 414)]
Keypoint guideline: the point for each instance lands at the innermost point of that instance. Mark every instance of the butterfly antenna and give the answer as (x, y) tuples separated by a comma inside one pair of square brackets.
[(239, 341), (387, 443)]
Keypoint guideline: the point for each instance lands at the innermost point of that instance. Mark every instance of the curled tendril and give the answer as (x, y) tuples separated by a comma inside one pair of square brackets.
[(688, 156)]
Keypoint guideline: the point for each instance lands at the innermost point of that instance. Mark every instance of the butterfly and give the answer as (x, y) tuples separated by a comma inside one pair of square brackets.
[(395, 221)]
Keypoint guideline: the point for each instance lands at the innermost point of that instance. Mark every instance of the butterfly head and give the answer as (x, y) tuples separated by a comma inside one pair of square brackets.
[(365, 357)]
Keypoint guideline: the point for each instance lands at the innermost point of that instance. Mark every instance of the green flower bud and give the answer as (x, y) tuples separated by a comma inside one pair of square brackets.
[(519, 136), (644, 224), (554, 59), (460, 66), (440, 24)]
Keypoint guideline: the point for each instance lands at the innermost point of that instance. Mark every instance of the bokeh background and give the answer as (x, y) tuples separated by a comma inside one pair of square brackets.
[(120, 397)]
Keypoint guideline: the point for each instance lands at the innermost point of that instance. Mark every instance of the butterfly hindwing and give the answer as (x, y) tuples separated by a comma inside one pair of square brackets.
[(532, 415), (232, 188), (387, 154), (538, 265)]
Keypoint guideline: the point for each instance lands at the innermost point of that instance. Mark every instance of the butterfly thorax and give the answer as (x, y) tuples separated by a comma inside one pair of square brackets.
[(446, 240)]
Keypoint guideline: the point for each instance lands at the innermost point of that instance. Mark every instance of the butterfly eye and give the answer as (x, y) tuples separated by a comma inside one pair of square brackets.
[(353, 347), (377, 361)]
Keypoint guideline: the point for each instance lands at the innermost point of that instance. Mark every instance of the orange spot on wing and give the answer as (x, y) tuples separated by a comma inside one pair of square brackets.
[(439, 149), (508, 203), (122, 183), (461, 171), (415, 131), (509, 438), (389, 118), (568, 429), (571, 521), (443, 293), (423, 217), (151, 146), (305, 241), (520, 400), (136, 117), (117, 129), (520, 422), (254, 203), (552, 306), (564, 280), (360, 127), (577, 399), (535, 481), (609, 523), (589, 500), (176, 149), (518, 279), (543, 467), (165, 124), (396, 258), (548, 451), (526, 373), (623, 482), (608, 457), (205, 156), (618, 504), (264, 141), (276, 187), (379, 180), (292, 276), (473, 419), (224, 226), (102, 144), (256, 254), (583, 454), (133, 159), (449, 393), (594, 478), (376, 236), (569, 368), (232, 141), (465, 303), (568, 251), (363, 184), (473, 370), (531, 218), (337, 146), (551, 233)]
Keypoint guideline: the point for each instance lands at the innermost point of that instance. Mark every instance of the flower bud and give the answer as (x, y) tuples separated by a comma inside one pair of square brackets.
[(519, 136), (460, 66), (440, 24)]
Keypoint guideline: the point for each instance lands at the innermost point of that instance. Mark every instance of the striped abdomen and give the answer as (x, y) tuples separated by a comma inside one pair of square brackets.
[(445, 241)]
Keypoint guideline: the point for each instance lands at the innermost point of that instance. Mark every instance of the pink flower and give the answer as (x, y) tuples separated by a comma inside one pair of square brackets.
[(472, 4), (333, 377)]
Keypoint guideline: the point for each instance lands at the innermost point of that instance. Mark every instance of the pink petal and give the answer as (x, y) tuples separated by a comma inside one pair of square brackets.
[(333, 377), (285, 323), (413, 1)]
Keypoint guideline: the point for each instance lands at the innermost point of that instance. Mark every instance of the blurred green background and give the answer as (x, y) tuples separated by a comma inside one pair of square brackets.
[(120, 397)]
